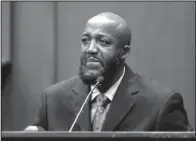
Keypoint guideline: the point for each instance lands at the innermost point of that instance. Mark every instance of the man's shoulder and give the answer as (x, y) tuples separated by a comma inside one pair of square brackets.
[(155, 92), (62, 85), (153, 88)]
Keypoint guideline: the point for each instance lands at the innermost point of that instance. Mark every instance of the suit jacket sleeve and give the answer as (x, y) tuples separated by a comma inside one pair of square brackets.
[(41, 118), (172, 116)]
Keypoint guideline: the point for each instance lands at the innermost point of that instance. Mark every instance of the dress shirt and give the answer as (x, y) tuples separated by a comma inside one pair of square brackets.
[(109, 94)]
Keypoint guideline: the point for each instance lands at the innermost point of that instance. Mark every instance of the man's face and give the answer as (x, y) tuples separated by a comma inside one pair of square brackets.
[(100, 51)]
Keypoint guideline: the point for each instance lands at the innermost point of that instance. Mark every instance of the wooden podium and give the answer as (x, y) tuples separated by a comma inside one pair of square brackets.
[(89, 136)]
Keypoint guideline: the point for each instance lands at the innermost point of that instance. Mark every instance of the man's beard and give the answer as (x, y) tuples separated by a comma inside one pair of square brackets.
[(106, 68)]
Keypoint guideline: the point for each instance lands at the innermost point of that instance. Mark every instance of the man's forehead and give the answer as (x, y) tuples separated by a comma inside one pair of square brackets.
[(106, 28), (104, 20), (110, 24), (102, 24), (101, 20)]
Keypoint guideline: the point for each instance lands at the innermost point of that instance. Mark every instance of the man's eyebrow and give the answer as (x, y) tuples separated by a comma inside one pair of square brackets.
[(100, 35), (103, 35), (85, 34)]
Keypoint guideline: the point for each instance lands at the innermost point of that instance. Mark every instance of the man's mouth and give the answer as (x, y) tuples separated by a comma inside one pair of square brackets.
[(93, 63), (91, 59)]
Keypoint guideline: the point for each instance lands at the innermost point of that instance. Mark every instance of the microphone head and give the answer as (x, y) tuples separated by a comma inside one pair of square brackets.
[(100, 79)]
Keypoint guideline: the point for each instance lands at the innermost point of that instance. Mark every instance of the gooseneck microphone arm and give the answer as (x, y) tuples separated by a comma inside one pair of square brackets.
[(99, 80)]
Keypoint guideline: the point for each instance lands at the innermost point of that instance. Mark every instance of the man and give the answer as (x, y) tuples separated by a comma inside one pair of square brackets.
[(123, 102)]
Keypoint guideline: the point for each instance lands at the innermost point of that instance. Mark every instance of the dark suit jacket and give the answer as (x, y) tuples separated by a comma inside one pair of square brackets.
[(140, 104)]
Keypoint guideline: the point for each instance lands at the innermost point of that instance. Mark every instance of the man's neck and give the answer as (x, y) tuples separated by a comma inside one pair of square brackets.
[(110, 79)]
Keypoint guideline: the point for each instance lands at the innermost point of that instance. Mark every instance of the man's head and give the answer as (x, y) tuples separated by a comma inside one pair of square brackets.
[(105, 46)]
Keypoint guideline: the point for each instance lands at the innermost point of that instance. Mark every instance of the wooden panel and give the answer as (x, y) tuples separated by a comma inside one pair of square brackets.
[(33, 61)]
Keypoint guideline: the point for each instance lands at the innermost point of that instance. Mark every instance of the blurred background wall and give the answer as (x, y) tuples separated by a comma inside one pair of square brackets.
[(42, 40)]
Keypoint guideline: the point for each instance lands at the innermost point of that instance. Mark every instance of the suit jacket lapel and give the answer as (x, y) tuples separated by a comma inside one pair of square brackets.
[(123, 101), (80, 92)]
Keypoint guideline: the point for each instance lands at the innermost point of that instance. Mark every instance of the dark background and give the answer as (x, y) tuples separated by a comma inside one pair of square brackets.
[(42, 41)]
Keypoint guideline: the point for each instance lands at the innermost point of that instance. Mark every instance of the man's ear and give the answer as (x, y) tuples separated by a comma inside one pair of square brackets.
[(125, 51)]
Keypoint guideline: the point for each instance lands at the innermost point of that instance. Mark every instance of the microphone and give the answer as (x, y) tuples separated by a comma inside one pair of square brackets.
[(98, 82)]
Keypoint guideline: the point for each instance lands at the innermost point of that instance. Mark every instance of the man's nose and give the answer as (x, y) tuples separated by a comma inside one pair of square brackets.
[(92, 48)]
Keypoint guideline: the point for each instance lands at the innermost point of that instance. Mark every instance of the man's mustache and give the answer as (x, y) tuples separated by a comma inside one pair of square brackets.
[(87, 58)]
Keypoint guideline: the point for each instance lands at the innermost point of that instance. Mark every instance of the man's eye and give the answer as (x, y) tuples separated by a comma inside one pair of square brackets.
[(85, 40), (104, 42)]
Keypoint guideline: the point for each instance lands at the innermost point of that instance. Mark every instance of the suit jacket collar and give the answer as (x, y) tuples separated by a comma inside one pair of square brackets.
[(122, 103), (80, 92)]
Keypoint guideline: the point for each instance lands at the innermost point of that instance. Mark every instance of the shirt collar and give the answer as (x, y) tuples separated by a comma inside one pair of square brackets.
[(110, 92)]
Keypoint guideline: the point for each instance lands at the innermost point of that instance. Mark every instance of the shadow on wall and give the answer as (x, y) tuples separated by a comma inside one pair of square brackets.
[(6, 67), (6, 84)]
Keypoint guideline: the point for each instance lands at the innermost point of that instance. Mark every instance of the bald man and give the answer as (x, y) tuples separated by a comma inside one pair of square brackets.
[(124, 101)]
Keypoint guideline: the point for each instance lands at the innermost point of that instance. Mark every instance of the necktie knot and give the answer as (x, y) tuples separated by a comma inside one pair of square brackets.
[(102, 100)]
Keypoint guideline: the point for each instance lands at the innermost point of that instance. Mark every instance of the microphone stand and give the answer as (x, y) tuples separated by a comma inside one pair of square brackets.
[(76, 119)]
